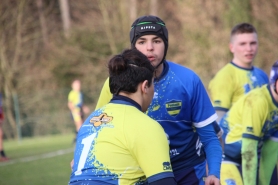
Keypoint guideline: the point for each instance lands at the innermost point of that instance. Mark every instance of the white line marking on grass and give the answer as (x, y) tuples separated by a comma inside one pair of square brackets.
[(37, 157)]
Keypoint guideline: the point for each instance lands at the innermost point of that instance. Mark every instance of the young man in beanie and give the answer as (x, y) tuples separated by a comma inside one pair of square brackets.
[(180, 104)]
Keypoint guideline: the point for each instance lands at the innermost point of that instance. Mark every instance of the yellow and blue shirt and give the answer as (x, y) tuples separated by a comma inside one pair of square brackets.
[(254, 116), (231, 82), (182, 107), (119, 144)]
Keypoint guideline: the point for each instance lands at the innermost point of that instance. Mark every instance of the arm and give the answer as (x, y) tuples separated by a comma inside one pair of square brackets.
[(268, 160), (249, 159), (70, 106), (220, 114), (212, 149), (105, 95)]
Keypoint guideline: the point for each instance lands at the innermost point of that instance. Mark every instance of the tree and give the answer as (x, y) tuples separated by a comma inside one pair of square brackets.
[(65, 15)]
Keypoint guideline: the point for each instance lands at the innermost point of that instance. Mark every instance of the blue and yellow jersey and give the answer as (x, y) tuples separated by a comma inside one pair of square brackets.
[(231, 82), (180, 104), (254, 116), (76, 98), (119, 144)]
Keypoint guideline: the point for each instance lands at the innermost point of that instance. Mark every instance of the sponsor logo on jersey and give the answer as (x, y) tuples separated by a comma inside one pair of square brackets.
[(173, 107), (101, 119), (249, 129), (217, 102), (167, 166)]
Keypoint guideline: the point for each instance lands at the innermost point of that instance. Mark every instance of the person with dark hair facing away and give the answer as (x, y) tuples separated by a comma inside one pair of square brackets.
[(119, 144), (251, 123), (3, 156), (180, 104)]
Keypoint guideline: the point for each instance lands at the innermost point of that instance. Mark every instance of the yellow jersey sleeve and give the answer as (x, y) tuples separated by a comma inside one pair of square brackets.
[(73, 97), (105, 95), (221, 89)]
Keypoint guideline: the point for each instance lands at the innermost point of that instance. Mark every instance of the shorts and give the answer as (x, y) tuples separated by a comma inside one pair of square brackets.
[(193, 176), (77, 114)]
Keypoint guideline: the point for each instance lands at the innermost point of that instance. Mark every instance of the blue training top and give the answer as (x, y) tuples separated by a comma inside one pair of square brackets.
[(182, 106)]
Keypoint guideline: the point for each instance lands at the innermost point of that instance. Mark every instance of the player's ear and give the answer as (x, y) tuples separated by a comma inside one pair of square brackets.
[(144, 86), (231, 47)]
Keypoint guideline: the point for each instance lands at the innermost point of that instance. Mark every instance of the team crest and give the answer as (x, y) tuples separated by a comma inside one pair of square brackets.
[(101, 119), (173, 107)]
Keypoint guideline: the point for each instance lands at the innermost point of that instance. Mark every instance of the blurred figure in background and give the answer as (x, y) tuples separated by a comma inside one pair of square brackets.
[(76, 104), (251, 125), (239, 76), (2, 153)]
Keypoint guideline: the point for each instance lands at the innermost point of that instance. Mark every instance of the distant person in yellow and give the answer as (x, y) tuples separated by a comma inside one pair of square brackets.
[(251, 125), (240, 75), (119, 144), (76, 104)]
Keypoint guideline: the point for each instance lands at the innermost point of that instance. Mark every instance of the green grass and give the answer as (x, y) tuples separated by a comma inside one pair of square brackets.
[(43, 171)]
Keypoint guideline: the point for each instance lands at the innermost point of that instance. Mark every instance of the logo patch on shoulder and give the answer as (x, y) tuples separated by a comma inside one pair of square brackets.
[(173, 107), (101, 119)]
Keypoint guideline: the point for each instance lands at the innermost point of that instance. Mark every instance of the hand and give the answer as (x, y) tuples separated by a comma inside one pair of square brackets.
[(71, 164), (86, 109), (212, 180)]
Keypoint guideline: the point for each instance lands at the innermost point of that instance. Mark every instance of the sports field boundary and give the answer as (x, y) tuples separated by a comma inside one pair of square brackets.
[(37, 157)]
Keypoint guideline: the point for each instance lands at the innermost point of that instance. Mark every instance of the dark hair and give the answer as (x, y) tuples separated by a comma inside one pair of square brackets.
[(243, 28), (127, 70)]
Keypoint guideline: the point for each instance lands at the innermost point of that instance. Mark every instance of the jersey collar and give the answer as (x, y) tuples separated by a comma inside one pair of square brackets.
[(119, 99)]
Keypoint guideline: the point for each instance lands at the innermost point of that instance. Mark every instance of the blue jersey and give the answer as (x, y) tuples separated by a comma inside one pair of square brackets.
[(181, 105)]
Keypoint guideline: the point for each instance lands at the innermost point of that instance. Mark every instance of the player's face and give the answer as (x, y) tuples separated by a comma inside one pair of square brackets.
[(152, 46), (76, 85), (244, 48)]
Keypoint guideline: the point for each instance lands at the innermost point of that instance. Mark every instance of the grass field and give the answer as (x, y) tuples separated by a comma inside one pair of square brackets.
[(38, 161)]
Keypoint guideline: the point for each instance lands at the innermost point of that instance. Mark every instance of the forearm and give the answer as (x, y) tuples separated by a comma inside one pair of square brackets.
[(212, 149), (249, 161), (268, 161)]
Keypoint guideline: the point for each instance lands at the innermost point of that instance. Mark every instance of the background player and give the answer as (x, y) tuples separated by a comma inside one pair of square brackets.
[(3, 156), (180, 104), (240, 75), (251, 122), (119, 144), (76, 104)]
